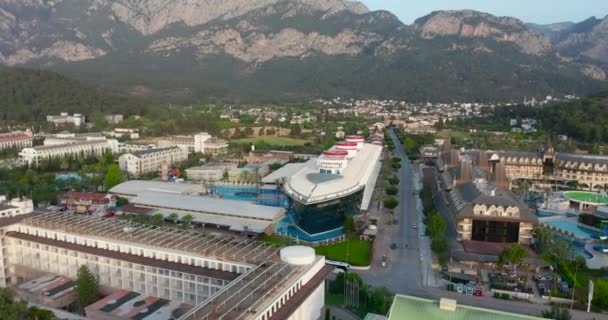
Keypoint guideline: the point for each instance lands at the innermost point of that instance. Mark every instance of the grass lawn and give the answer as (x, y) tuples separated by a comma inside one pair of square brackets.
[(584, 196), (273, 141), (359, 252)]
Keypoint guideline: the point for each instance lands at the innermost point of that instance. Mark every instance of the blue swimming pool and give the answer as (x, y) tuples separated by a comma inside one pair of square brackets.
[(544, 214), (579, 232), (297, 233), (266, 197)]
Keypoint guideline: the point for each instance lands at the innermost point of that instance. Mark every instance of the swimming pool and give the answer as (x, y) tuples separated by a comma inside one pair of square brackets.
[(579, 232), (544, 214), (265, 197)]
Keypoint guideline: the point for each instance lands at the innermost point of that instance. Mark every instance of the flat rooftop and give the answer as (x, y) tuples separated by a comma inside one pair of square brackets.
[(408, 307), (124, 304), (225, 247), (309, 186), (237, 215), (284, 172), (49, 286), (133, 188)]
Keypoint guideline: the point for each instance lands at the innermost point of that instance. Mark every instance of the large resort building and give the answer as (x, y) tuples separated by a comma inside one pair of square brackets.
[(33, 155), (589, 171), (325, 189), (188, 274), (479, 206)]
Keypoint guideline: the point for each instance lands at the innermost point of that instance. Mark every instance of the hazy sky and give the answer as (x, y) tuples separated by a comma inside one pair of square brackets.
[(537, 11)]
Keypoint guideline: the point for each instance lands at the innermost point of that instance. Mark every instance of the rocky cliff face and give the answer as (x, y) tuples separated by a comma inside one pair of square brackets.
[(248, 42), (471, 24)]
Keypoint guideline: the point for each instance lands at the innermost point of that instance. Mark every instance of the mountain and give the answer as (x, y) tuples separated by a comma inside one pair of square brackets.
[(274, 50), (550, 30), (585, 43), (29, 95)]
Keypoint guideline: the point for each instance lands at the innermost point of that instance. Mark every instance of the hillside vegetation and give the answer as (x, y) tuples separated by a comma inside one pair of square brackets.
[(28, 95)]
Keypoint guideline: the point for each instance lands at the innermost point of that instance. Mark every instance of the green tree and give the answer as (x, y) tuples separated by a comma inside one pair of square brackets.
[(436, 225), (173, 217), (600, 293), (327, 314), (157, 219), (556, 313), (513, 255), (349, 225), (114, 176), (12, 308), (391, 203), (86, 287), (187, 221)]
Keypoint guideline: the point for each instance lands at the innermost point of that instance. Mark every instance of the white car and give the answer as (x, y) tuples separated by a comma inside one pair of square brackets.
[(414, 226)]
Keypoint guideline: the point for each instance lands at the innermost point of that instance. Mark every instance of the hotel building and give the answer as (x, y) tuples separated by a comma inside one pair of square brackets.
[(15, 139), (221, 277), (64, 118), (338, 183), (137, 163), (77, 149)]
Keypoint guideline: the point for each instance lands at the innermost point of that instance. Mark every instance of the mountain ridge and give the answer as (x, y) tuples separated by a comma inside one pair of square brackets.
[(280, 42)]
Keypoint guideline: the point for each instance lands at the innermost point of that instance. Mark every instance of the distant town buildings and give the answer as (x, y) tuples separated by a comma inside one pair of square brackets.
[(137, 163), (16, 139), (200, 143), (114, 118), (65, 119)]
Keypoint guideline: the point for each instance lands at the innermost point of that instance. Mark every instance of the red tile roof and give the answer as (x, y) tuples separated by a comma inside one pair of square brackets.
[(13, 136), (99, 197)]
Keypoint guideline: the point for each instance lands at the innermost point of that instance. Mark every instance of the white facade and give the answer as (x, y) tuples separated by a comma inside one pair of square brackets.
[(15, 139), (87, 148), (15, 207), (209, 173), (220, 277), (64, 118), (147, 161)]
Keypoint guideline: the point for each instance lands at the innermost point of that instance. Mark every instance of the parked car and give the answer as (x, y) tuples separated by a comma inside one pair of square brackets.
[(384, 261), (414, 226)]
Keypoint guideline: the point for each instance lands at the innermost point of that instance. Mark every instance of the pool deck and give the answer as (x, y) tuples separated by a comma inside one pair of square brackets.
[(599, 259)]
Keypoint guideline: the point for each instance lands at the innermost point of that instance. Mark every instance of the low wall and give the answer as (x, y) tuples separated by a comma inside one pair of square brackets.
[(556, 300), (514, 294)]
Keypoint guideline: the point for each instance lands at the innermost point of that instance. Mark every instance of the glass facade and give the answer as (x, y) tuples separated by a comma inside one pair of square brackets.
[(325, 216)]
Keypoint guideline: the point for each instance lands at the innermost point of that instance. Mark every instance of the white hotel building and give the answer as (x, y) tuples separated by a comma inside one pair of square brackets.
[(141, 162), (222, 277), (17, 139), (76, 149)]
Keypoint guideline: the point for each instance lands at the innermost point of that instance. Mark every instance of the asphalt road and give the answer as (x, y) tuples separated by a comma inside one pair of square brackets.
[(403, 273)]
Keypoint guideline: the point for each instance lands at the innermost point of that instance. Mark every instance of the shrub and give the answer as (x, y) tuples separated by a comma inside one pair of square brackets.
[(496, 295), (393, 180), (396, 165), (396, 159), (505, 296), (391, 203), (391, 191)]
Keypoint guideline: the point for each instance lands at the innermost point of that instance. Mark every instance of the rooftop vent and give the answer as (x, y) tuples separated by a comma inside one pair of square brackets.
[(447, 304)]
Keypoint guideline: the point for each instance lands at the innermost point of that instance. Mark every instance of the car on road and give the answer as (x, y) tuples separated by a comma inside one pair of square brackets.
[(414, 226), (395, 221), (384, 261)]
